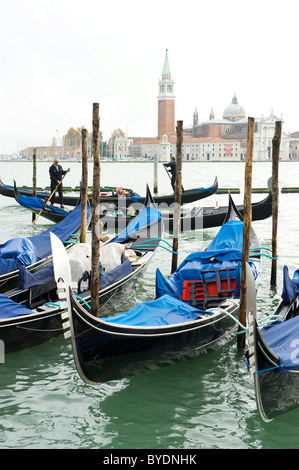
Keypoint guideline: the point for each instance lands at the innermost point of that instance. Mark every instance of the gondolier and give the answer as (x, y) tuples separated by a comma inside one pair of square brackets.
[(56, 174), (172, 170)]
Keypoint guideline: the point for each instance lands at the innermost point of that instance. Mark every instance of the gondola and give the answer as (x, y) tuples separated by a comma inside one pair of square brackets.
[(35, 252), (31, 314), (7, 190), (35, 205), (188, 196), (197, 218), (193, 311), (273, 355)]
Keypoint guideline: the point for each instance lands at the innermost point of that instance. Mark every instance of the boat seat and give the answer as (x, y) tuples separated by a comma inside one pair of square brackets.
[(208, 291), (38, 295)]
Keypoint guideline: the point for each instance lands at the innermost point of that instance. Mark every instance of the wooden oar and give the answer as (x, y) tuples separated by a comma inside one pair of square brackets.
[(48, 200)]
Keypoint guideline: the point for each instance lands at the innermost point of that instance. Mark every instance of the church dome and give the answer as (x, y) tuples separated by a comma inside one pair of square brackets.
[(234, 111)]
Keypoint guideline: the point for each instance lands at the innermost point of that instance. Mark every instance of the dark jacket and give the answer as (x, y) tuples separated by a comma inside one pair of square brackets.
[(172, 167), (56, 175)]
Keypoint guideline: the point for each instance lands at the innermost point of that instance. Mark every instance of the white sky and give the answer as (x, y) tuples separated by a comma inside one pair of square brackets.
[(58, 57)]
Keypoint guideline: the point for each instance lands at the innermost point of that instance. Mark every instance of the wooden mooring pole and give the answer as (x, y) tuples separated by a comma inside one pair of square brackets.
[(95, 211), (246, 231), (177, 195), (155, 174), (275, 190), (84, 185), (34, 178)]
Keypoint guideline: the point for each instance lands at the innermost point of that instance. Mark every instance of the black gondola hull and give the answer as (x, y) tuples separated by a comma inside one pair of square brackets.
[(207, 217), (106, 352), (276, 391), (190, 195), (28, 331), (43, 324)]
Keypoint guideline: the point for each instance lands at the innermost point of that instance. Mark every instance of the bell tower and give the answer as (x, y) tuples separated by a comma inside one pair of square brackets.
[(166, 102)]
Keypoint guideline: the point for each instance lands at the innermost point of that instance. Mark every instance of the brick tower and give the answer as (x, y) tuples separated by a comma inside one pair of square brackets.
[(166, 102)]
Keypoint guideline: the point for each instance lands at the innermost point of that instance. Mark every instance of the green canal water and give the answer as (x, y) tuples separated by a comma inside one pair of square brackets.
[(203, 403)]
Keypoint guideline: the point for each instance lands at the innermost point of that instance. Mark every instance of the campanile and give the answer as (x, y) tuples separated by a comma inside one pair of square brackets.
[(166, 102)]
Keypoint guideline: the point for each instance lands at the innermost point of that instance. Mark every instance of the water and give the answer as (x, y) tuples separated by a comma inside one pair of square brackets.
[(203, 403)]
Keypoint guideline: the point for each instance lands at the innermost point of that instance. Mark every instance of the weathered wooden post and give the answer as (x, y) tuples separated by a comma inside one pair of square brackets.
[(246, 230), (275, 189), (84, 185), (95, 229), (34, 178), (177, 195), (156, 174)]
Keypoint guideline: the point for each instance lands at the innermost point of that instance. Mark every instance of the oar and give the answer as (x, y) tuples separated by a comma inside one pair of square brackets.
[(46, 202), (170, 176)]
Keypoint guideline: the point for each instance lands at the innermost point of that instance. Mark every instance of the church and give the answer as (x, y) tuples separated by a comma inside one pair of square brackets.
[(217, 139)]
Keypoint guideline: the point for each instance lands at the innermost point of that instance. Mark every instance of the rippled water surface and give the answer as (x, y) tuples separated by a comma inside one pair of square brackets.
[(203, 403)]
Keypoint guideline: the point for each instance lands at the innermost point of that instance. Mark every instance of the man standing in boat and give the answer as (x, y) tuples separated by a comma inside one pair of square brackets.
[(56, 174), (172, 169)]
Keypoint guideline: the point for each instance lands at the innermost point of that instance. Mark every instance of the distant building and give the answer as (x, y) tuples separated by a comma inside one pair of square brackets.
[(223, 139), (49, 153), (294, 146)]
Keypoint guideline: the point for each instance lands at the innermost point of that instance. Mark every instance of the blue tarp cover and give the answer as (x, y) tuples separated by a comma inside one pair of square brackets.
[(136, 197), (225, 251), (9, 308), (63, 230), (15, 253), (26, 279), (283, 339), (290, 286), (37, 203), (204, 189), (26, 251), (119, 272), (147, 217), (159, 312)]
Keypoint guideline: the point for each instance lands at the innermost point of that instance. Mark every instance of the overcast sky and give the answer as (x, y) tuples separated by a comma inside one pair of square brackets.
[(58, 57)]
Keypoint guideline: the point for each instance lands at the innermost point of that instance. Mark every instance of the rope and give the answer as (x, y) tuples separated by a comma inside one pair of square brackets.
[(157, 246), (261, 248), (84, 301), (269, 319), (261, 322), (262, 254), (157, 239), (219, 309), (266, 370)]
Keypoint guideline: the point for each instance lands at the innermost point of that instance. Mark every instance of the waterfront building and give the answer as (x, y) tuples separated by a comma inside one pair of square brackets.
[(216, 139), (47, 153)]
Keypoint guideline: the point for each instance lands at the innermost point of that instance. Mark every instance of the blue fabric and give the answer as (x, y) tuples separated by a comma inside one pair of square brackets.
[(159, 312), (204, 189), (283, 339), (116, 274), (290, 286), (147, 217), (9, 308), (63, 230), (229, 236), (16, 252), (136, 197), (26, 279), (37, 204), (26, 251)]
